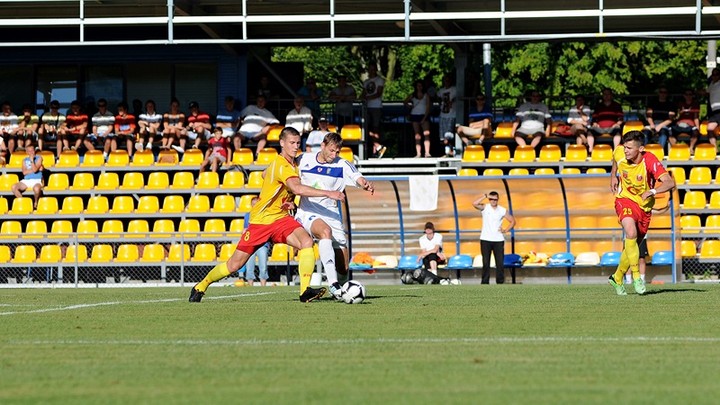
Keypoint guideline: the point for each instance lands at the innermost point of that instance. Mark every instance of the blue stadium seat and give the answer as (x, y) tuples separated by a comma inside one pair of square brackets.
[(610, 259), (409, 263), (662, 258), (460, 262), (512, 261), (563, 259)]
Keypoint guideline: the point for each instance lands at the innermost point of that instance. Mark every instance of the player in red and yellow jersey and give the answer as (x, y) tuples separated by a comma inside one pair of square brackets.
[(270, 220), (635, 178)]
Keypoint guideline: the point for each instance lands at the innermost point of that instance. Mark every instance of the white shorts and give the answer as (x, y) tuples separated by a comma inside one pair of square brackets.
[(228, 132), (306, 219), (248, 134), (30, 183)]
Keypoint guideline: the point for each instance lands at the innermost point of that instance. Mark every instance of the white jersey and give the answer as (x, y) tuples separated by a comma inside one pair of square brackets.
[(151, 118), (325, 176)]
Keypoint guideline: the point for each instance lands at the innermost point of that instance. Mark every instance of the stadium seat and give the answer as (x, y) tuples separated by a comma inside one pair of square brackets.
[(385, 262), (233, 180), (596, 170), (703, 127), (632, 125), (199, 203), (544, 171), (705, 151), (678, 174), (473, 153), (24, 254), (561, 259), (700, 175), (143, 158), (192, 157), (108, 181), (237, 226), (204, 252), (570, 170), (183, 180), (460, 262), (688, 248), (281, 253), (576, 153), (127, 253), (214, 228), (550, 153), (551, 247), (498, 154), (493, 171), (3, 205), (158, 181), (587, 259), (656, 245), (660, 222), (138, 228), (72, 205), (112, 228), (351, 132), (101, 254), (346, 153), (273, 134), (694, 200), (578, 246), (61, 228), (97, 205), (226, 251), (118, 158), (223, 203), (245, 202), (50, 254), (93, 158), (35, 229), (153, 253), (68, 158), (710, 249), (173, 204), (189, 228), (679, 152), (7, 180), (266, 156), (167, 158), (610, 259), (522, 154), (16, 160), (243, 157), (662, 258), (690, 223), (583, 222), (87, 228), (83, 181), (5, 254), (468, 172), (179, 253), (504, 130), (255, 179), (47, 206), (714, 200), (56, 182), (75, 254), (518, 171), (410, 262), (132, 181), (22, 206), (148, 204), (655, 149), (601, 153), (10, 229), (48, 158), (163, 228), (712, 222), (208, 180)]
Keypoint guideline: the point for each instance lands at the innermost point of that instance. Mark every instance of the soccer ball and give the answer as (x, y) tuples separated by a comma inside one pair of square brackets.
[(353, 292)]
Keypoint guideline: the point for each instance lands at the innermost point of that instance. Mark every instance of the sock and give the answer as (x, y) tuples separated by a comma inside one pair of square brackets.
[(633, 254), (306, 266), (327, 257), (218, 272), (621, 268), (343, 278)]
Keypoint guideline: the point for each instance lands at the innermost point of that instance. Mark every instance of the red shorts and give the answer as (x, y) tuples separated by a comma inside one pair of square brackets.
[(257, 235), (625, 207)]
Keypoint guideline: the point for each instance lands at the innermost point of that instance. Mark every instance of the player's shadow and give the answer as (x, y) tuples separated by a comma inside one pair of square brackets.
[(673, 290)]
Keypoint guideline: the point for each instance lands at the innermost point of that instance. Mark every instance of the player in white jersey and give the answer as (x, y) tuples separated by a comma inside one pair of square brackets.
[(321, 216)]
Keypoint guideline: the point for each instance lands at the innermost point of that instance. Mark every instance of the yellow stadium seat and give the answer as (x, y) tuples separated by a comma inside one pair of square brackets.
[(266, 156), (48, 158), (47, 206), (632, 126), (153, 253), (72, 205), (179, 253), (132, 181), (21, 206), (710, 249), (703, 127), (583, 222), (351, 132), (714, 200), (87, 228), (473, 153), (280, 253), (61, 228), (530, 222), (108, 181), (255, 179), (5, 254), (204, 252), (93, 158), (346, 153), (50, 254), (97, 205), (189, 227), (551, 247), (678, 174), (679, 152), (242, 157), (705, 151), (524, 246), (148, 204), (35, 229), (24, 254), (3, 205), (273, 134), (138, 228), (601, 153), (694, 200), (10, 229), (68, 158), (688, 248), (550, 153), (522, 154), (544, 171), (163, 228), (214, 228), (223, 203), (596, 170), (660, 222), (167, 158), (237, 226), (16, 160), (580, 246), (58, 182), (233, 179), (576, 153), (158, 181), (143, 158), (192, 157), (700, 175), (712, 223), (519, 171), (469, 172), (127, 253), (655, 149), (75, 254), (83, 181), (199, 203), (7, 180), (499, 154), (493, 171), (333, 128), (245, 202), (226, 251), (118, 158), (208, 180), (172, 204), (183, 180), (112, 228), (570, 170), (101, 254), (504, 130), (690, 223)]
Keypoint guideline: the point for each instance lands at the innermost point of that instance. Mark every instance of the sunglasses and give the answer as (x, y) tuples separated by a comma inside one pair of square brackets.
[(492, 199)]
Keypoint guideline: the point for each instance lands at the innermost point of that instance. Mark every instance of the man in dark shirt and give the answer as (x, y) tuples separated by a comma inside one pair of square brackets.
[(608, 117), (660, 115)]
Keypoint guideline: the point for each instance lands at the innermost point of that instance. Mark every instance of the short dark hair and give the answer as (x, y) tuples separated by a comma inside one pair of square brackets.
[(636, 136), (288, 131), (494, 193), (429, 225), (333, 138)]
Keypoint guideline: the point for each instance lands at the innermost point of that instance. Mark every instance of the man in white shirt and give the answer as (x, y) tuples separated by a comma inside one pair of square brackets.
[(431, 246), (316, 137), (372, 95), (256, 122), (300, 118), (714, 98), (533, 120), (492, 239), (447, 95)]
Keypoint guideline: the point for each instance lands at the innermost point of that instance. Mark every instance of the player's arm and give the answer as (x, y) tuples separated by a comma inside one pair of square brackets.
[(478, 204), (511, 223), (366, 185), (295, 187), (665, 183), (613, 177)]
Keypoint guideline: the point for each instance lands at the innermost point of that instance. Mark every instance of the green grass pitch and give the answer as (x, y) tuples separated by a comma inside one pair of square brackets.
[(466, 344)]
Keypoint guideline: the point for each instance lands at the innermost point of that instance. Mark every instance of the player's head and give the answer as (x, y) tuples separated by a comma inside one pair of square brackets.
[(290, 141), (493, 197), (330, 146), (633, 144), (429, 228)]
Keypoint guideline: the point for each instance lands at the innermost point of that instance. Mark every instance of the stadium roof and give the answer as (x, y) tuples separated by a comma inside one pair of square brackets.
[(244, 22)]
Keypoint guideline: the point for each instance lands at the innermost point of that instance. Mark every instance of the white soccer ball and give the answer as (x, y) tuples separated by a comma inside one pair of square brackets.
[(353, 292)]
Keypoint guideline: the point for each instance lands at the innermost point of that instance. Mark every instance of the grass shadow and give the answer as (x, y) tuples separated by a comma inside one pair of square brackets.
[(673, 290)]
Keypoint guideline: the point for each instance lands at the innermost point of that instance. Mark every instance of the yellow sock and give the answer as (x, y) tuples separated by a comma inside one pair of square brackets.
[(633, 254), (218, 272), (621, 268), (306, 266)]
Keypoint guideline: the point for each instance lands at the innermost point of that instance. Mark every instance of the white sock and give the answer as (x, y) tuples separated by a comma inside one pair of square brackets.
[(327, 257)]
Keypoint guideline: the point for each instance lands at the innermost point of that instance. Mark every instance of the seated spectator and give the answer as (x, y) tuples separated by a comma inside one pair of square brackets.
[(418, 104), (431, 249), (75, 129), (228, 119), (256, 122), (8, 126), (608, 118), (688, 120), (312, 96), (103, 127), (480, 123), (124, 128), (218, 153), (579, 120), (533, 120), (149, 126), (714, 102), (198, 126), (32, 170), (28, 125), (343, 96), (447, 96), (317, 136), (300, 118), (173, 125), (660, 115), (51, 122)]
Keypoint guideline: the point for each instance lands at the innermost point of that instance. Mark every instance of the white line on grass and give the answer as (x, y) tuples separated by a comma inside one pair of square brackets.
[(108, 303)]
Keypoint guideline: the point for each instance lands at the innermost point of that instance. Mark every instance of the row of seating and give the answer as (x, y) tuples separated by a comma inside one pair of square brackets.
[(693, 223), (521, 171), (708, 249), (698, 200), (125, 204)]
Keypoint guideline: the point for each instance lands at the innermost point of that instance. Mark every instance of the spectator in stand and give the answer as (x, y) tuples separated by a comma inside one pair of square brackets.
[(688, 119), (300, 118), (714, 104), (8, 126), (75, 129), (229, 119), (124, 128), (103, 127), (660, 116), (316, 137), (32, 170), (149, 126), (51, 121), (418, 103), (372, 96), (579, 120), (533, 120), (447, 95), (218, 152), (431, 249), (608, 118), (312, 96), (198, 126), (343, 96), (256, 122), (173, 126), (265, 89), (28, 125), (480, 123)]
